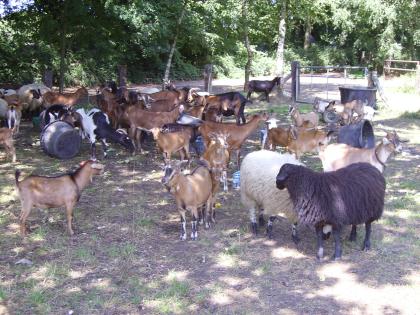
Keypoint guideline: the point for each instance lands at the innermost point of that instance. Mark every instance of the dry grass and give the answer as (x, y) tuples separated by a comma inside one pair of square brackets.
[(126, 256)]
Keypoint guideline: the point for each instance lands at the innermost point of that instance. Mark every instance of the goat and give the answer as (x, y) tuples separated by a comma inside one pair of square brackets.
[(6, 139), (303, 120), (217, 157), (53, 113), (145, 120), (349, 108), (68, 99), (228, 104), (321, 105), (278, 136), (170, 142), (96, 126), (262, 86), (191, 192), (14, 115), (53, 192), (236, 134), (349, 196), (301, 140)]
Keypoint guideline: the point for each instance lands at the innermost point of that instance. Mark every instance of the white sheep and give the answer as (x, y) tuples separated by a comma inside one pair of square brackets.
[(26, 97), (259, 192), (3, 108)]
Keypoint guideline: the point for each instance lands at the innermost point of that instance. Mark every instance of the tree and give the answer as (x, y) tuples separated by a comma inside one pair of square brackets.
[(246, 42), (281, 40)]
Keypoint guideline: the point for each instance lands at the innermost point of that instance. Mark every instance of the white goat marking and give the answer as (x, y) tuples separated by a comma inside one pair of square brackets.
[(11, 116), (88, 124)]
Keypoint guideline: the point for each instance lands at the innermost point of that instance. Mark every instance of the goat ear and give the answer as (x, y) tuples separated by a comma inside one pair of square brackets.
[(385, 141)]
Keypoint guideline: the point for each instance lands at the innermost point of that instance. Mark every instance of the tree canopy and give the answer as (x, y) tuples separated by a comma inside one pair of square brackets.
[(88, 39)]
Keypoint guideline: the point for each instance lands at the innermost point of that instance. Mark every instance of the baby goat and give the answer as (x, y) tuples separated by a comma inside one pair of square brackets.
[(54, 192)]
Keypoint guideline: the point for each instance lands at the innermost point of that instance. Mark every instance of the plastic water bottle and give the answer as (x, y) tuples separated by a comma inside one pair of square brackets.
[(236, 180), (199, 144)]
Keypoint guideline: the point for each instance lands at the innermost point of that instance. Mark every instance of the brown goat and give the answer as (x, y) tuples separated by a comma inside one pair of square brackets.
[(307, 140), (68, 99), (191, 192), (237, 134), (307, 120), (54, 192), (146, 120), (217, 156), (277, 137), (6, 139), (171, 142)]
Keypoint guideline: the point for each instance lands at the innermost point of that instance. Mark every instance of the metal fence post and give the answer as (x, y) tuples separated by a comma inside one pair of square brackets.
[(207, 73), (295, 80), (418, 78)]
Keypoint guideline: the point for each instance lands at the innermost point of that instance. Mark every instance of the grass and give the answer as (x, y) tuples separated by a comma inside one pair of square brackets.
[(410, 115)]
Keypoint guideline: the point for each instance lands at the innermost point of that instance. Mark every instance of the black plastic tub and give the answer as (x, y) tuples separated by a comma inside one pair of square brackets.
[(356, 92), (60, 140), (358, 135)]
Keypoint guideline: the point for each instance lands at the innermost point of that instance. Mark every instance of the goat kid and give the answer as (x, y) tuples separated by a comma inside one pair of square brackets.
[(96, 126), (308, 120), (53, 192), (14, 115)]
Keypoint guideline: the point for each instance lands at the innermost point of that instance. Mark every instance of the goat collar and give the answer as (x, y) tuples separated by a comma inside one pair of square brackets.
[(77, 188), (377, 158)]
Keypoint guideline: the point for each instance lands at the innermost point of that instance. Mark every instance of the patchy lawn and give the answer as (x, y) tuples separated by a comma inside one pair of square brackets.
[(126, 257)]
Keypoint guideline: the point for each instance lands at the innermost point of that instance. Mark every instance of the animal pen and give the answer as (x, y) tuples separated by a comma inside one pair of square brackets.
[(309, 82)]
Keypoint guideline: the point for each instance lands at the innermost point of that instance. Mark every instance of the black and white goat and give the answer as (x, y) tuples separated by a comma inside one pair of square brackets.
[(53, 113), (96, 126)]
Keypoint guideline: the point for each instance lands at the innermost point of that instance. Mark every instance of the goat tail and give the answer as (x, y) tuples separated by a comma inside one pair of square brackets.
[(17, 174)]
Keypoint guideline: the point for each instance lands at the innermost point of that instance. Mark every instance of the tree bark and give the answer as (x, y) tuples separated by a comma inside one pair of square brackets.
[(308, 30), (171, 52), (63, 49), (282, 37), (247, 44)]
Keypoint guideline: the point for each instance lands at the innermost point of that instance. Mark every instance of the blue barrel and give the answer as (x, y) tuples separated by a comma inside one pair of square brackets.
[(358, 135), (199, 145), (236, 180), (363, 93)]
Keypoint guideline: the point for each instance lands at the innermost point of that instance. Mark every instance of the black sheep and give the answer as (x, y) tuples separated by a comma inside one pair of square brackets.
[(351, 195)]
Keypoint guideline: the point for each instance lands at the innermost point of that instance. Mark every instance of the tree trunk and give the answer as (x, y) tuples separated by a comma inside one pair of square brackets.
[(282, 37), (308, 30), (247, 44), (171, 52), (62, 62)]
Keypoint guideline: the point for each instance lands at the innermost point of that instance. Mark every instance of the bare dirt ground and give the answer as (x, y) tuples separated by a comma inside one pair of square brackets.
[(126, 257)]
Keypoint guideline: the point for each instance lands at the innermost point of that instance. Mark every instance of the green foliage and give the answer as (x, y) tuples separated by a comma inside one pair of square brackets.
[(89, 39)]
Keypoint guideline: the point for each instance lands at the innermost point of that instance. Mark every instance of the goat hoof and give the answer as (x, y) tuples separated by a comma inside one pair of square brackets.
[(295, 239), (336, 258), (366, 247), (183, 237)]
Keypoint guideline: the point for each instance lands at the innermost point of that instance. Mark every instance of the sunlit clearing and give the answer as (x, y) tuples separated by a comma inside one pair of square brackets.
[(284, 252), (348, 288), (176, 275)]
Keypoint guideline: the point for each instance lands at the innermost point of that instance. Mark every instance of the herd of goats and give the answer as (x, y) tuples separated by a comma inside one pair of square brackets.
[(350, 191)]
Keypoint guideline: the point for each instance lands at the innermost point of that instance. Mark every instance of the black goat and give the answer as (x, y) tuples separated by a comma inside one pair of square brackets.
[(262, 86), (53, 113), (96, 126), (228, 104), (350, 195)]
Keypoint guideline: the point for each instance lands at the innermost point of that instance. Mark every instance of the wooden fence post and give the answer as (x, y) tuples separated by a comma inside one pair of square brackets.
[(372, 77), (207, 73), (47, 78), (122, 75), (295, 80)]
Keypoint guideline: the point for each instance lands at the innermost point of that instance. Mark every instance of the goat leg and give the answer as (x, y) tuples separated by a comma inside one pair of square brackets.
[(248, 95), (104, 147), (194, 233), (26, 209), (69, 215), (320, 242), (183, 226), (254, 227), (336, 231), (353, 233), (93, 151), (267, 96), (366, 242), (295, 237)]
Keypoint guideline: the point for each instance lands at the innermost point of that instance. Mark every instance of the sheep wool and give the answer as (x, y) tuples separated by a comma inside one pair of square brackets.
[(258, 186)]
